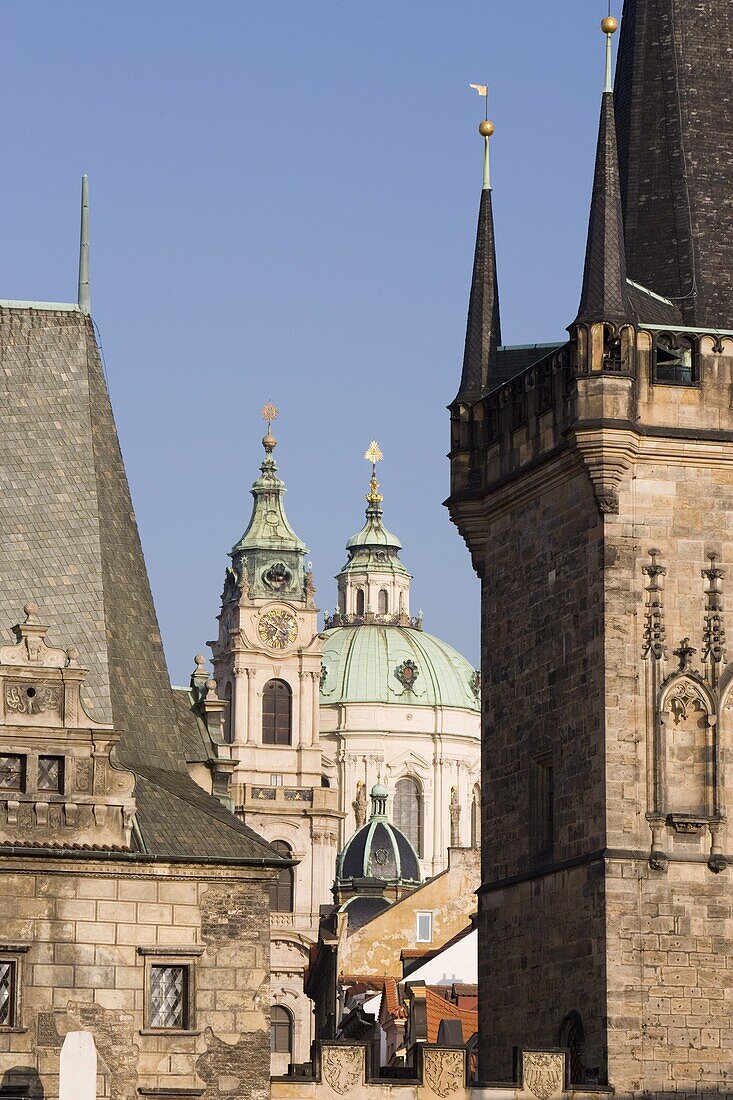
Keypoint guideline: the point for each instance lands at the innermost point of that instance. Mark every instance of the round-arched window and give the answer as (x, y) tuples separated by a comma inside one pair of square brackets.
[(277, 713), (281, 1030), (383, 601), (360, 601), (282, 889), (407, 812)]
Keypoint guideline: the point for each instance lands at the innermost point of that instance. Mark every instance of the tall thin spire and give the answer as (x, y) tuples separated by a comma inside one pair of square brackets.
[(605, 295), (84, 295), (483, 328)]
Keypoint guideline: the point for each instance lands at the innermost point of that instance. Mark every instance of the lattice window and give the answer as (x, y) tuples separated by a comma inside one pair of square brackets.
[(277, 709), (51, 773), (12, 773), (7, 992), (168, 995)]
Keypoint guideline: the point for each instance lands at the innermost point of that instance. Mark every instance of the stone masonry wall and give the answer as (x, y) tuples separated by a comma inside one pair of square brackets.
[(543, 699), (83, 923)]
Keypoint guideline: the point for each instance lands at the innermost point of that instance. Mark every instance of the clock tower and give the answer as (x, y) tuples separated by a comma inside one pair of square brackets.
[(267, 666)]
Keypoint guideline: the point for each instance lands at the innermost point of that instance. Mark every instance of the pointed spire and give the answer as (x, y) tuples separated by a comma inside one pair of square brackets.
[(84, 295), (483, 328), (605, 295)]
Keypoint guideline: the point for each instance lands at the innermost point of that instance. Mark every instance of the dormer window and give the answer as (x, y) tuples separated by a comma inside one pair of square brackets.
[(674, 360)]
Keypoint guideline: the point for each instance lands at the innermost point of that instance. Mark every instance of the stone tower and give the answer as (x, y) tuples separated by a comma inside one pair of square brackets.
[(594, 489)]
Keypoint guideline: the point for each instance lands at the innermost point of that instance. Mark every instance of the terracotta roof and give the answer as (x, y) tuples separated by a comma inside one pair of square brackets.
[(391, 999), (438, 1008)]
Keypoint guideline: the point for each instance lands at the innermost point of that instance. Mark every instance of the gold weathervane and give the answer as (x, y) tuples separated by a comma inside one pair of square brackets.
[(374, 455), (268, 413)]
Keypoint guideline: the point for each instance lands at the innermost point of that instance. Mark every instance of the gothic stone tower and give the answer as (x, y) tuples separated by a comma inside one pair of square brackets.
[(594, 488)]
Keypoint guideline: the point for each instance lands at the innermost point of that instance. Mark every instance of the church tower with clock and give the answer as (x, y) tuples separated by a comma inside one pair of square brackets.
[(267, 666)]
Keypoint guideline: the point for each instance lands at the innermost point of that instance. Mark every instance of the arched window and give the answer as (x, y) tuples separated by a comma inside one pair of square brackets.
[(572, 1038), (228, 716), (277, 713), (281, 888), (383, 601), (360, 601), (325, 781), (407, 814), (281, 1030)]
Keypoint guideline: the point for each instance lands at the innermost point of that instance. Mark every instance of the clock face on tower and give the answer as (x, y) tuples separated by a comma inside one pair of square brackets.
[(278, 628)]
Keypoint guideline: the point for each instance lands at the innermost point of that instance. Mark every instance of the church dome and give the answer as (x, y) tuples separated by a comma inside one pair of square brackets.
[(378, 850), (376, 663)]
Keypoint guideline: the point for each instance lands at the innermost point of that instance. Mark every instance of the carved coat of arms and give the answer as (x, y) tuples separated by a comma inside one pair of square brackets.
[(341, 1068), (544, 1073), (444, 1071)]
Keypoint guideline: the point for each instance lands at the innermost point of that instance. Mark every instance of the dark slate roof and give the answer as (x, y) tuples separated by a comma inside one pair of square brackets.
[(70, 543), (512, 360), (483, 327), (195, 742), (674, 106), (605, 295), (379, 850), (653, 310)]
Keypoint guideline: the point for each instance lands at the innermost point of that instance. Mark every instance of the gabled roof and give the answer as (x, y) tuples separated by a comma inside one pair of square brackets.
[(70, 544)]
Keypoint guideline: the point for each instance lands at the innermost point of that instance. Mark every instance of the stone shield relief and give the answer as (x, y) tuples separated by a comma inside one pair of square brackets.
[(544, 1073), (341, 1068), (444, 1071)]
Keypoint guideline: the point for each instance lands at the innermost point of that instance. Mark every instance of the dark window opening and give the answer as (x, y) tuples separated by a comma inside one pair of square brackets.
[(228, 716), (383, 602), (674, 360), (572, 1038), (360, 601), (281, 1030), (277, 711), (612, 360), (282, 888), (544, 807)]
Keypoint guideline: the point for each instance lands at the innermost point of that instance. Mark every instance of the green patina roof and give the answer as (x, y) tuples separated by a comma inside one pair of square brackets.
[(374, 548), (374, 663), (268, 528)]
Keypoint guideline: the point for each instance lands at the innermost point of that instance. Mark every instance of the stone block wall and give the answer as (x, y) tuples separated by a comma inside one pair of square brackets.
[(85, 934)]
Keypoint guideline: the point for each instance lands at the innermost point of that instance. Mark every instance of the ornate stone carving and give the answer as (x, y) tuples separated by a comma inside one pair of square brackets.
[(714, 633), (684, 654), (341, 1068), (444, 1071), (407, 673), (32, 699), (543, 1073), (360, 805), (455, 819), (654, 624), (83, 769), (684, 697)]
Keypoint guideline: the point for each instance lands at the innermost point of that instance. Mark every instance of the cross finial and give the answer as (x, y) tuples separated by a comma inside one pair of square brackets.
[(374, 455)]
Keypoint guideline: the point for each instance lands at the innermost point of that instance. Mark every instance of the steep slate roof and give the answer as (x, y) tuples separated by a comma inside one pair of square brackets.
[(674, 107), (605, 294), (70, 543), (483, 328)]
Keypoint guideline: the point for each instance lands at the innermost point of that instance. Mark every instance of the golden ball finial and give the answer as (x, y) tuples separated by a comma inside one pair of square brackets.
[(486, 129), (609, 25)]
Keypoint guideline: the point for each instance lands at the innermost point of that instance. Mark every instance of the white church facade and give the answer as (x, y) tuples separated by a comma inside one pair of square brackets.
[(318, 714)]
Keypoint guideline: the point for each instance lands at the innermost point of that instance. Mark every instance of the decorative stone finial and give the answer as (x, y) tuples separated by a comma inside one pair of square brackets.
[(199, 660), (30, 610), (685, 653)]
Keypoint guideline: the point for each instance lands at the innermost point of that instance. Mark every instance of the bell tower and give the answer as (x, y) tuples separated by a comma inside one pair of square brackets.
[(594, 488), (267, 658)]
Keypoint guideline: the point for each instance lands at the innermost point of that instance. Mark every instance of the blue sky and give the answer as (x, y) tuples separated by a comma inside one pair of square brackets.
[(283, 207)]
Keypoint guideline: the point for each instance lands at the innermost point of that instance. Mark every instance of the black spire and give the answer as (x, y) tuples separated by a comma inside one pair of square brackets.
[(483, 329), (605, 295), (674, 107)]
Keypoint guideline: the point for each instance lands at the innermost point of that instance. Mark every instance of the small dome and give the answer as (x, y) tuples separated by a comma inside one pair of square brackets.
[(378, 850), (361, 909), (374, 663)]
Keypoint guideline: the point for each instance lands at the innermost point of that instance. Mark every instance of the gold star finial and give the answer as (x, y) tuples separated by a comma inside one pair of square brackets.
[(373, 453), (269, 413)]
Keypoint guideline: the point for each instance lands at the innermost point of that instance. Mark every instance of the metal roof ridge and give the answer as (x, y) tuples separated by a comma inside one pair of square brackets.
[(68, 307)]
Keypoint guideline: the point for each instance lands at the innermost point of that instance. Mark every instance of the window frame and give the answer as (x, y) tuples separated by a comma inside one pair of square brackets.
[(277, 885), (14, 953), (682, 339), (23, 758), (168, 956), (290, 1030), (424, 913), (60, 790), (275, 736), (398, 819)]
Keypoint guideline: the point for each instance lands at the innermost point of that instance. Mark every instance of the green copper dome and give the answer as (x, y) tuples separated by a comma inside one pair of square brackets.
[(374, 663)]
